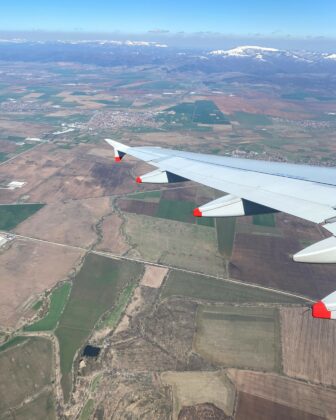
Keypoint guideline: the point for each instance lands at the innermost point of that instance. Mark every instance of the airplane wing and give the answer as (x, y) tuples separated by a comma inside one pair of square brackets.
[(308, 192), (254, 187)]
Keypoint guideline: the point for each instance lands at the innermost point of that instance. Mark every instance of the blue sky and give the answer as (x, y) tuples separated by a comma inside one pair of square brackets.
[(280, 18)]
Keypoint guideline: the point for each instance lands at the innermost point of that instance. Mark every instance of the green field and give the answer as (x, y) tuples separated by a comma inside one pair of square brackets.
[(146, 196), (3, 156), (199, 112), (180, 211), (241, 337), (225, 228), (86, 412), (207, 288), (248, 119), (112, 319), (58, 300), (264, 220), (13, 214), (96, 289), (12, 342), (114, 104), (37, 305)]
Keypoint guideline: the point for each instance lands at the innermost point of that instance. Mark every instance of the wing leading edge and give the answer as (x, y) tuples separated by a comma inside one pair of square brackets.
[(311, 199), (254, 187)]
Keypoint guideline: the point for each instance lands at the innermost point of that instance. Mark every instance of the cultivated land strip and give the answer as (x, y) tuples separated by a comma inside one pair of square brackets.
[(22, 153), (167, 266)]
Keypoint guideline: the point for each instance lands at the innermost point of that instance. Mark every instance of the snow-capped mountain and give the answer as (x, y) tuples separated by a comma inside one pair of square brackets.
[(111, 42), (248, 59), (260, 59), (330, 57), (258, 53), (244, 51)]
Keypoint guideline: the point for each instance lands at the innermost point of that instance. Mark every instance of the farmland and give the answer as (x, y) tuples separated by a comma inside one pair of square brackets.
[(302, 338), (206, 288), (239, 336), (156, 240), (256, 408), (314, 400), (267, 260), (44, 264), (26, 370), (40, 408), (225, 228), (199, 112), (12, 215), (191, 388), (168, 336), (58, 300), (98, 284)]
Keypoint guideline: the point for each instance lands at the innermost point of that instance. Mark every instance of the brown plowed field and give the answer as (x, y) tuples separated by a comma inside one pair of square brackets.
[(255, 408), (256, 103), (312, 399), (138, 207), (267, 261), (180, 194), (307, 346)]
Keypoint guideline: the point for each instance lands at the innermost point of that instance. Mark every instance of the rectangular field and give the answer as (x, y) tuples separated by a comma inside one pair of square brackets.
[(267, 260), (196, 286), (255, 408), (225, 228), (316, 400), (239, 336), (306, 346), (190, 388), (174, 243), (25, 370)]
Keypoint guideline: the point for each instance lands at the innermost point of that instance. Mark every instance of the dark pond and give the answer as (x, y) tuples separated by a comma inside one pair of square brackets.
[(91, 351)]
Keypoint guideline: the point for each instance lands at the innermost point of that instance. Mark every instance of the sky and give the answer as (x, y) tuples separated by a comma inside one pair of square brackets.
[(298, 18), (175, 20)]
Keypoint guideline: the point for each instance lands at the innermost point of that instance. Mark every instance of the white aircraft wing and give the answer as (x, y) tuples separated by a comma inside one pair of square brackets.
[(254, 187), (308, 192)]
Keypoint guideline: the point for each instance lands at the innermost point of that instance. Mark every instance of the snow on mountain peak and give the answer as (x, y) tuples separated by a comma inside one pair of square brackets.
[(331, 57), (245, 51)]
